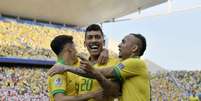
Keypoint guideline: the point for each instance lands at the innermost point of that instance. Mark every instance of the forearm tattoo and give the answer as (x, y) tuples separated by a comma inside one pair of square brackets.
[(80, 72)]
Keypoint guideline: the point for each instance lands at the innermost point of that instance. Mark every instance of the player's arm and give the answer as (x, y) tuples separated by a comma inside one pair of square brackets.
[(58, 91), (58, 68), (124, 70), (106, 84), (62, 97), (104, 56), (110, 88)]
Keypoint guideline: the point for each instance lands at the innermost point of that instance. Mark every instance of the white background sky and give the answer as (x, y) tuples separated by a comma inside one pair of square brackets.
[(174, 40)]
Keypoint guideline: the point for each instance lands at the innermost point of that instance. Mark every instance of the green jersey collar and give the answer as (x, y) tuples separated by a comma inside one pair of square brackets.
[(60, 61)]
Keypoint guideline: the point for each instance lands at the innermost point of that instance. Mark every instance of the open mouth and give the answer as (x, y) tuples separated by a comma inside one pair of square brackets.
[(94, 47)]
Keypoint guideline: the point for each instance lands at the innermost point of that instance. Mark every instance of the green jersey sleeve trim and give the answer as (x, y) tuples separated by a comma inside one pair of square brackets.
[(117, 74), (58, 91)]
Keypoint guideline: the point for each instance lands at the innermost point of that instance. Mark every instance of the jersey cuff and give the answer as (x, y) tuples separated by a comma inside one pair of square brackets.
[(58, 91), (117, 74)]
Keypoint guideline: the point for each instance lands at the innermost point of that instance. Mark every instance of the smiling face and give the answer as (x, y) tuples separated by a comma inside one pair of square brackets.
[(94, 42), (128, 46)]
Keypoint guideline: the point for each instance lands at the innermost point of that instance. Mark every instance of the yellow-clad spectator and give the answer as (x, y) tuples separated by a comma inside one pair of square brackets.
[(193, 97)]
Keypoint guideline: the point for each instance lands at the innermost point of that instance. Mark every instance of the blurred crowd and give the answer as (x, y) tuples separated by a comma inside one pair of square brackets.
[(30, 84), (16, 51), (175, 85), (23, 84), (33, 41)]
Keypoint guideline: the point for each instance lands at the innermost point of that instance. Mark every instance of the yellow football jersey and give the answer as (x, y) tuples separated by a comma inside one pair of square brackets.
[(133, 75), (65, 83), (89, 85), (194, 98)]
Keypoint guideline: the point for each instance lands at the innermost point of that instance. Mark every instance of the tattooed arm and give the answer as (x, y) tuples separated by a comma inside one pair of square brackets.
[(58, 68), (110, 88)]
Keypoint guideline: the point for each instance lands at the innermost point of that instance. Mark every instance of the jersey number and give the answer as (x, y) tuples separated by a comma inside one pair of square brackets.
[(86, 85)]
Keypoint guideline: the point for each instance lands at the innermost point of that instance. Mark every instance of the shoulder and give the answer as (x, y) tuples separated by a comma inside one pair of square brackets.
[(56, 76), (134, 61), (110, 63), (113, 60)]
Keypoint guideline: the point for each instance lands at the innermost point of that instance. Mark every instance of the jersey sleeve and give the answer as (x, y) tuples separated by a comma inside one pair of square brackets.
[(128, 68), (58, 84)]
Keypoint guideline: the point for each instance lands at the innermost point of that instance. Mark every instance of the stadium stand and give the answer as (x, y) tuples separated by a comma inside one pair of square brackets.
[(32, 41), (28, 83), (175, 85), (23, 84)]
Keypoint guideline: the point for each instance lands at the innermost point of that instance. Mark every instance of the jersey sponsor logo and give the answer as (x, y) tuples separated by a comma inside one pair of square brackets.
[(120, 66), (58, 82)]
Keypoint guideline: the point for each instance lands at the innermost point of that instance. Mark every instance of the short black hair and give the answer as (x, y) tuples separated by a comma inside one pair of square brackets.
[(93, 27), (58, 43), (143, 43)]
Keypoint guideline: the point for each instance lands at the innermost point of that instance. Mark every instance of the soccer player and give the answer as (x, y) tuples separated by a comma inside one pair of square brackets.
[(94, 41), (62, 87), (131, 72)]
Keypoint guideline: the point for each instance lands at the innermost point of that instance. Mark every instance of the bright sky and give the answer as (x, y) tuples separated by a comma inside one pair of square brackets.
[(174, 40)]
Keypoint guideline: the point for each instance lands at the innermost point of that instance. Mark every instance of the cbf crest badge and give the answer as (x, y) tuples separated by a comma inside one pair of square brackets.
[(120, 66), (58, 82)]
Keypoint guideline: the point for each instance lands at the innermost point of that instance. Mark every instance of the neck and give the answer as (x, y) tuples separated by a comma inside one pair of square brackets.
[(60, 60), (134, 55), (94, 58)]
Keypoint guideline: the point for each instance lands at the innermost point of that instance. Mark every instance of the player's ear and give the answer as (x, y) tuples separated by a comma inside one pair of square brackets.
[(135, 48)]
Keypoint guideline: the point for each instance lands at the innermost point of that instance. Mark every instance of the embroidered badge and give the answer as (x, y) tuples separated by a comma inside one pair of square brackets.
[(58, 82), (120, 66)]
